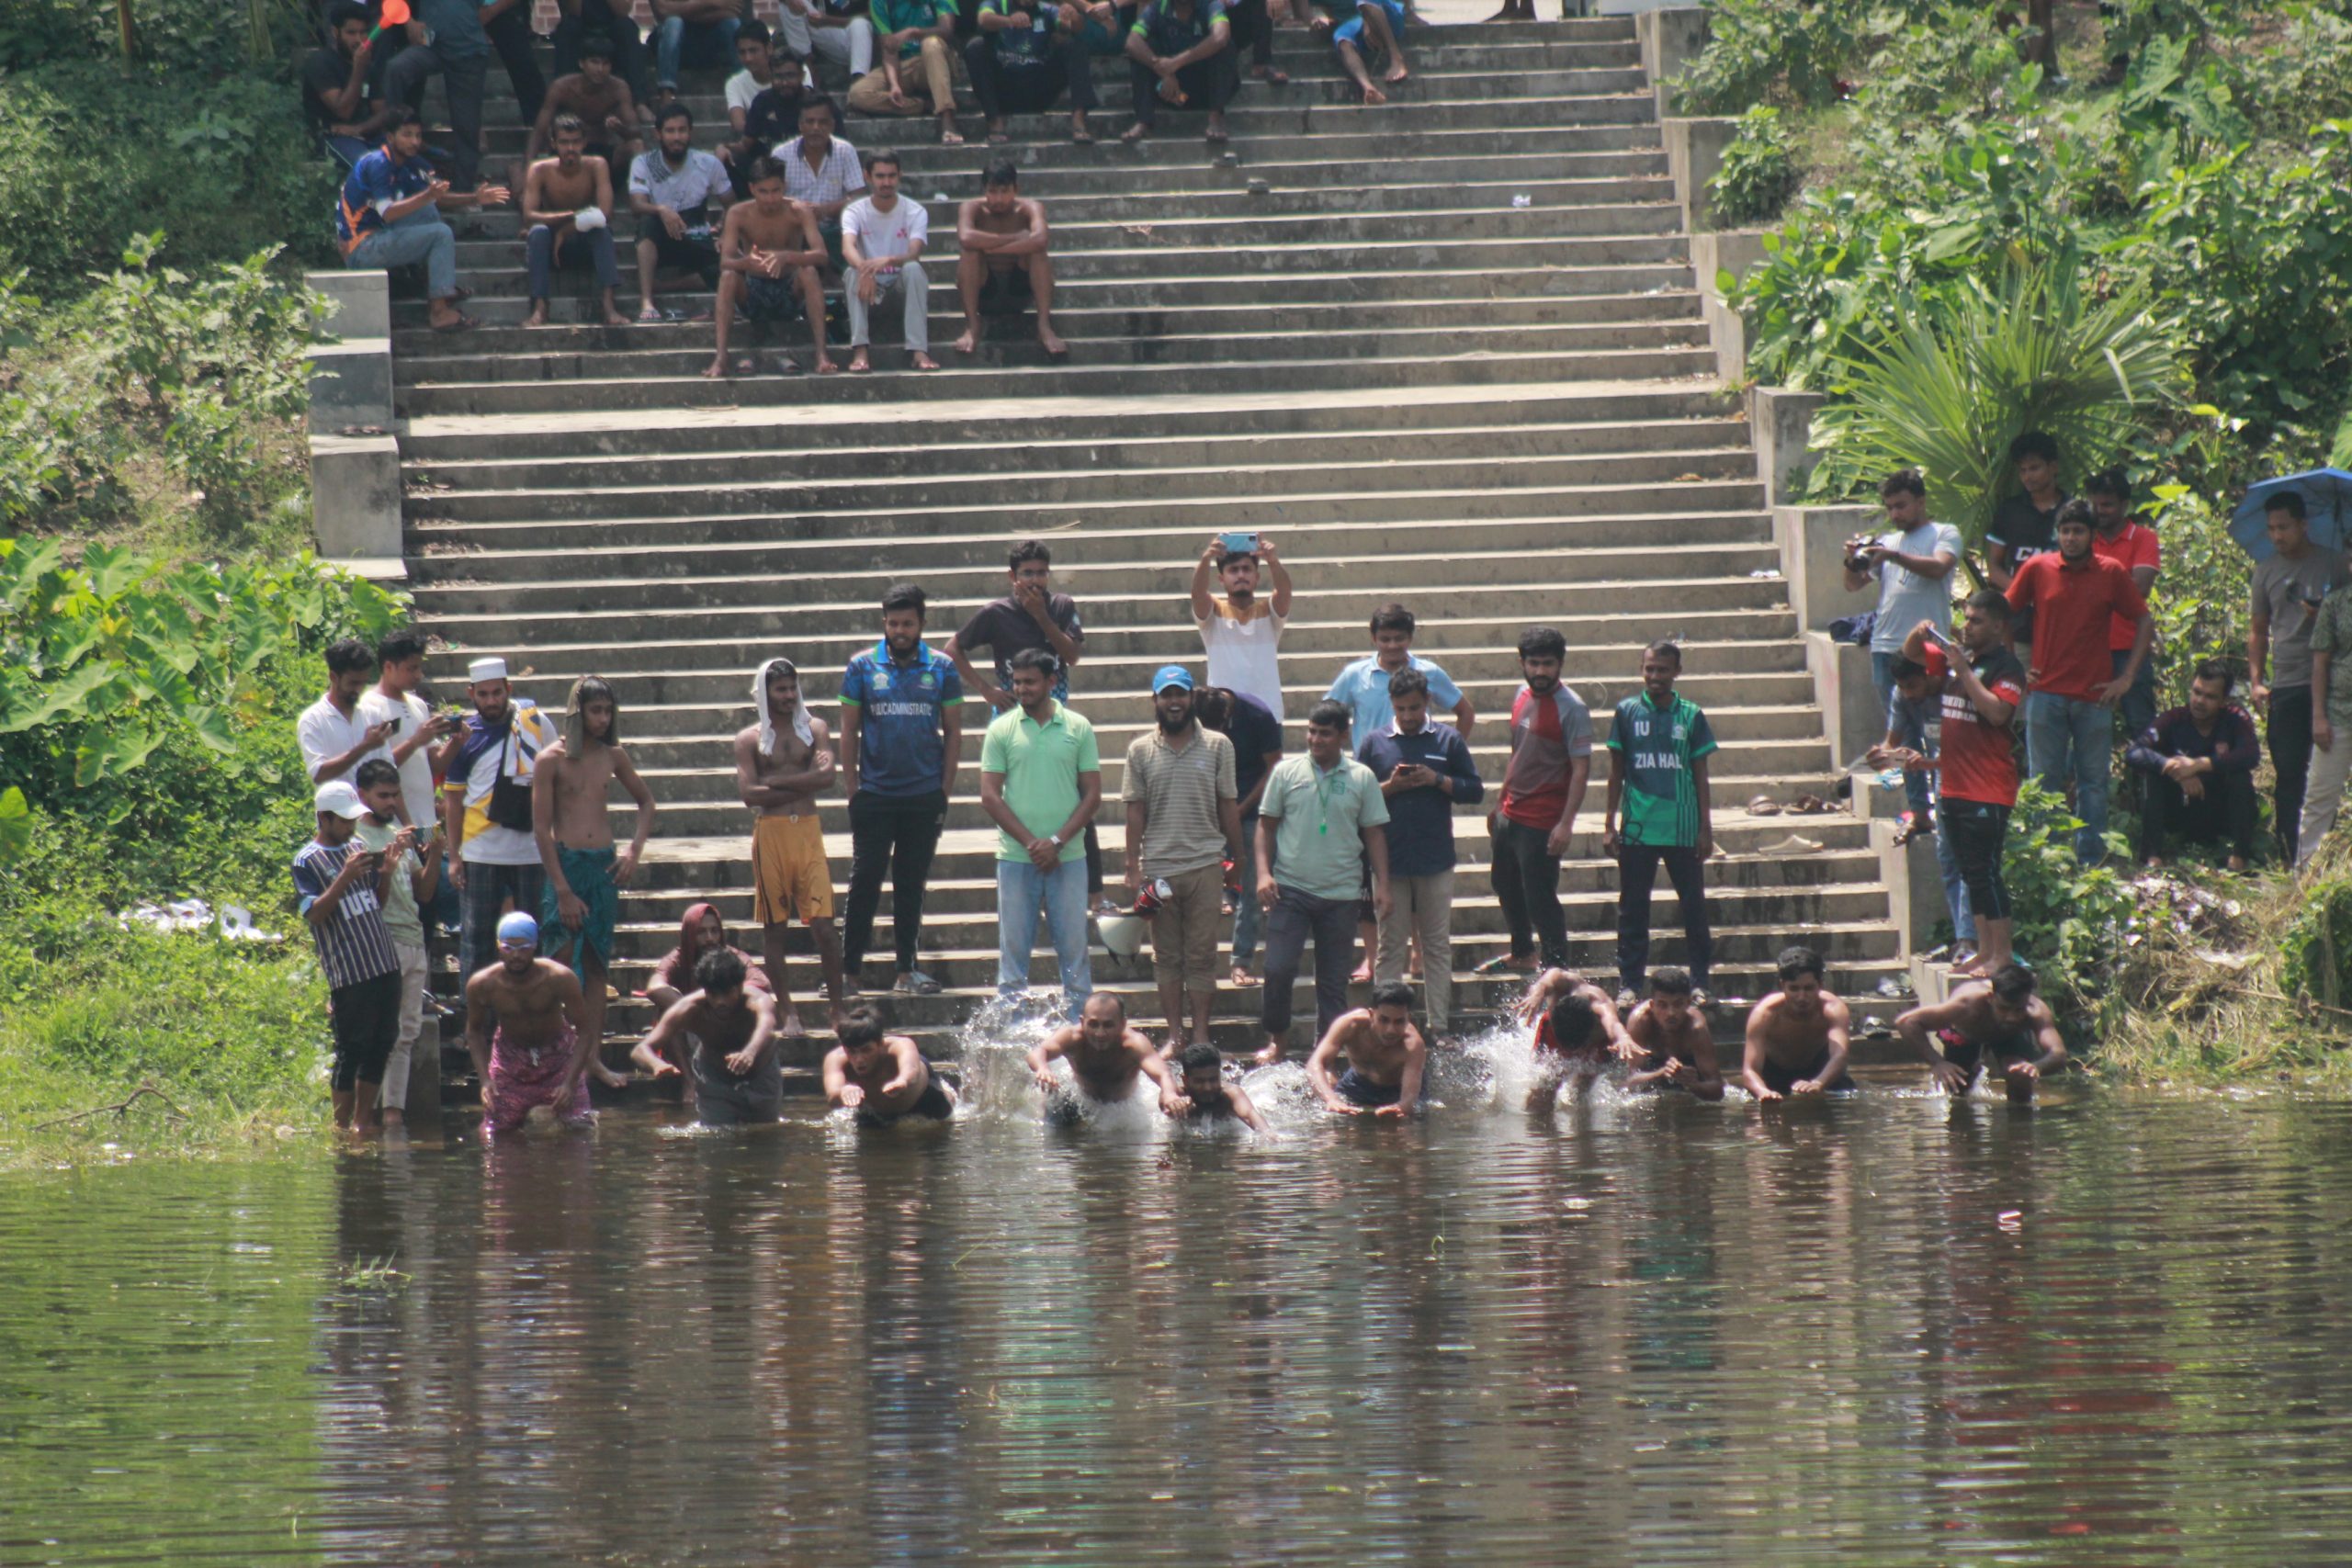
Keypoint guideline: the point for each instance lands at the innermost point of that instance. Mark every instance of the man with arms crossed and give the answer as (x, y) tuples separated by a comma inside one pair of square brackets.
[(1796, 1036), (1322, 821), (539, 1051), (1987, 1026), (1182, 821), (1001, 262), (1105, 1056), (730, 1028), (581, 903), (769, 251), (1385, 1054), (1041, 783), (781, 764), (882, 1077)]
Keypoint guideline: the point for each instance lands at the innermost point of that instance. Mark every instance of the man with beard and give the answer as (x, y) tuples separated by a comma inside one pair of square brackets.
[(781, 764), (539, 1051), (486, 810), (729, 1027), (1543, 785), (1105, 1056), (337, 734), (1796, 1036), (1386, 1056), (1241, 632), (1322, 823), (1182, 821), (670, 188)]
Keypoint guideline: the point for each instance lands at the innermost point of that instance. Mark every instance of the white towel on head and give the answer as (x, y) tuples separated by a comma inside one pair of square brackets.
[(801, 728)]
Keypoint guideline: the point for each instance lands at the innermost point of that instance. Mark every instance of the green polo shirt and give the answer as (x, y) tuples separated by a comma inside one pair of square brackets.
[(1318, 820), (1040, 763)]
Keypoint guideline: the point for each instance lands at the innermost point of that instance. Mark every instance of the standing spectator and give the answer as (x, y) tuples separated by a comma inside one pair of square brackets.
[(415, 730), (1916, 711), (1026, 55), (1181, 51), (2200, 762), (1183, 819), (691, 32), (2025, 524), (1241, 631), (455, 39), (1364, 685), (411, 875), (335, 87), (1041, 781), (342, 887), (1659, 747), (883, 237), (388, 215), (1004, 259), (571, 822), (2073, 685), (1425, 771), (1983, 689), (911, 35), (672, 188), (608, 23), (1544, 786), (2132, 546), (901, 737), (781, 764), (1322, 827), (2331, 723), (1911, 564), (486, 811), (568, 202), (335, 733), (2288, 589), (1257, 738), (822, 172)]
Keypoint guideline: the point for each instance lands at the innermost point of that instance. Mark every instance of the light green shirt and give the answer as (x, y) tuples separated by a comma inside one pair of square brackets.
[(400, 910), (1319, 820), (1040, 763)]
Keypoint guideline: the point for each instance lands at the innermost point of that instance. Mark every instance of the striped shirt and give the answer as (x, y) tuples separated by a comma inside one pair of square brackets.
[(830, 181), (353, 944)]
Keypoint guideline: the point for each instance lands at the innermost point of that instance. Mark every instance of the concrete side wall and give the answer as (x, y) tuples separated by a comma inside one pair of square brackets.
[(1732, 250), (1670, 35)]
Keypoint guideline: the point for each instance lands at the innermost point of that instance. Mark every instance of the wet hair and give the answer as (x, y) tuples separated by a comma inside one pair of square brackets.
[(1665, 648), (373, 772), (762, 169), (2014, 983), (1029, 550), (2077, 510), (905, 596), (1392, 618), (596, 46), (342, 11), (348, 654), (2108, 482), (721, 969), (860, 1026), (1991, 600), (819, 101), (1393, 994), (1000, 173), (568, 125), (1118, 1006), (1041, 660), (2216, 669), (1329, 715), (394, 647), (2033, 444), (1671, 980), (1202, 1058), (754, 31), (676, 110), (1542, 642), (589, 689), (1908, 670), (888, 155), (1572, 1021), (1796, 960), (1903, 481), (2288, 502), (1407, 683)]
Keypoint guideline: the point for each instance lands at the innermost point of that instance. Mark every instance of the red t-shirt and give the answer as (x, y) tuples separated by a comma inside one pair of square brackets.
[(1979, 759), (2072, 608), (2135, 545)]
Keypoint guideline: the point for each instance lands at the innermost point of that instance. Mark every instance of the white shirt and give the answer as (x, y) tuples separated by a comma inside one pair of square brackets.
[(886, 234), (324, 733), (416, 773), (833, 179), (742, 87), (1242, 652)]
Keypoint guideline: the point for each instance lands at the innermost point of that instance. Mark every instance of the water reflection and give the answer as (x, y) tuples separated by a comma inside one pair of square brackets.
[(2100, 1331)]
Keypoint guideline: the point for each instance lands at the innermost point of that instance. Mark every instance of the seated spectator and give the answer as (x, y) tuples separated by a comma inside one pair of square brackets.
[(335, 87), (2199, 763), (389, 215), (1003, 264), (1253, 30), (1102, 25), (599, 100), (882, 241), (568, 202), (1377, 26), (909, 34), (772, 118), (836, 34), (1027, 54), (692, 32), (579, 21), (671, 189), (822, 172), (769, 256), (1181, 51), (755, 55)]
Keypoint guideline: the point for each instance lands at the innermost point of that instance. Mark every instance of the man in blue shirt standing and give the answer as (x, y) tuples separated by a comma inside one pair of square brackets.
[(902, 733), (389, 215), (1423, 769), (1364, 685)]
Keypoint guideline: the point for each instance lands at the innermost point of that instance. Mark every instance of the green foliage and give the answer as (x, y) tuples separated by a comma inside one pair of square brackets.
[(1760, 169), (2200, 595), (203, 372), (2317, 948), (1974, 366), (2071, 921), (1783, 50)]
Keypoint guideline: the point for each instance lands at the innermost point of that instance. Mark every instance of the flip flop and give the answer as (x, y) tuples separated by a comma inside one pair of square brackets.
[(1272, 75), (1794, 844)]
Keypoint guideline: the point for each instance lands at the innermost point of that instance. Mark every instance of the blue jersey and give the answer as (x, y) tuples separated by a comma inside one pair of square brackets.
[(900, 748)]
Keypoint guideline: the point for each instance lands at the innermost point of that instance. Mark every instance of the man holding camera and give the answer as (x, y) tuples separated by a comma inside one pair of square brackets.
[(486, 810), (1911, 565)]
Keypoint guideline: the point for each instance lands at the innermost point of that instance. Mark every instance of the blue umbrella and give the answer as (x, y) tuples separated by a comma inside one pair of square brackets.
[(2327, 503)]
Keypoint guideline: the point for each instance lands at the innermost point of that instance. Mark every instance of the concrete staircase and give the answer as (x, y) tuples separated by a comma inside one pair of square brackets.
[(1501, 414)]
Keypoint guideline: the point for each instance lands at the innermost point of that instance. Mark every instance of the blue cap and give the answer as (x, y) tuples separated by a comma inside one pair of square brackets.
[(519, 927), (1168, 675)]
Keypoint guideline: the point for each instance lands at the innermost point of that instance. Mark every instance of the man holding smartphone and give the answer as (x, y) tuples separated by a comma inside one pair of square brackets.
[(1984, 686), (412, 851), (1242, 632), (413, 732), (1424, 771)]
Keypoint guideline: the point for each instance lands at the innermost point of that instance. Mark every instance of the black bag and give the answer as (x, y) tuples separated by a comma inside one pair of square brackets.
[(510, 798)]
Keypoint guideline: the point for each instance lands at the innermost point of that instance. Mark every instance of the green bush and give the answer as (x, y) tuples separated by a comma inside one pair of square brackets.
[(1759, 170), (2072, 920)]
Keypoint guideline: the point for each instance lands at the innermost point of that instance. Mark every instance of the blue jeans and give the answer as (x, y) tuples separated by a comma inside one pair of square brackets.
[(1023, 892), (2068, 740), (1963, 920), (1905, 726), (593, 249), (1245, 916), (706, 43), (419, 237)]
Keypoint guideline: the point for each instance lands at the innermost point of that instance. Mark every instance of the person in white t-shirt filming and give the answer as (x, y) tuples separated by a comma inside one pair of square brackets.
[(1911, 565), (882, 241), (335, 735)]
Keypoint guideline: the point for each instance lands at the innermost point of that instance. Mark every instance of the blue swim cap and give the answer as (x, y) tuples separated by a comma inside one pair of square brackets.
[(519, 927)]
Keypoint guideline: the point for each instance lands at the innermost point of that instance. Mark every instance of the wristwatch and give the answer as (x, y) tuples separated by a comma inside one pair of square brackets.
[(1054, 840)]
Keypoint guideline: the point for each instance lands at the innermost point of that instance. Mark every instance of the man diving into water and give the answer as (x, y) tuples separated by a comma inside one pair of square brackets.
[(881, 1075), (730, 1028), (1998, 1025), (1207, 1097), (1105, 1057), (1676, 1049), (1385, 1054)]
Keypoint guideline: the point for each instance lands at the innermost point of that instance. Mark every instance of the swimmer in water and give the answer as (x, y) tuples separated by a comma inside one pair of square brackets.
[(538, 1051), (2001, 1024), (1678, 1049), (1796, 1036), (1552, 983), (1208, 1096), (1105, 1057), (729, 1029), (1571, 1048), (1384, 1053), (881, 1075)]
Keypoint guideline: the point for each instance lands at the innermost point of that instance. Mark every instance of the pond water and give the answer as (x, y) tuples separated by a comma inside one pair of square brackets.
[(2108, 1329)]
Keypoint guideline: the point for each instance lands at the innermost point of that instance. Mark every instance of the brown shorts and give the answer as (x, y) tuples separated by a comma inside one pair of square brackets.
[(1186, 930), (789, 875)]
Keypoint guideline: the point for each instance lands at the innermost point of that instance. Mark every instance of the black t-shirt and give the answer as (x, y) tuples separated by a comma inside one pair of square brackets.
[(1004, 628), (323, 74), (2027, 531), (1254, 731), (774, 116)]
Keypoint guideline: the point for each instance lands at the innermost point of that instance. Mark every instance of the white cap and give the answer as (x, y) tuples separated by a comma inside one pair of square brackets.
[(482, 669), (338, 796)]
